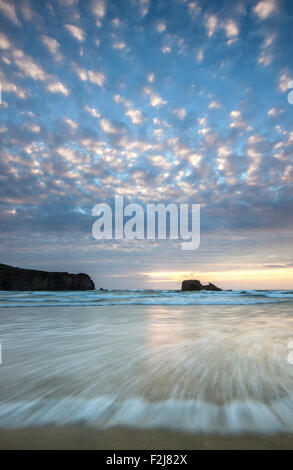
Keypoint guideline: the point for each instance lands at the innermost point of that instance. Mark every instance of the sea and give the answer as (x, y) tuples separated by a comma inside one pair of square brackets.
[(201, 362)]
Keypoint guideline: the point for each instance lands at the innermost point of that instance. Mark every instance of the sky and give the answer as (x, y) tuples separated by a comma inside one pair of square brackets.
[(171, 101)]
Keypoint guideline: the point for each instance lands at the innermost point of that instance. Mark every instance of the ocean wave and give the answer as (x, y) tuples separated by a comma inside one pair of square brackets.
[(142, 297)]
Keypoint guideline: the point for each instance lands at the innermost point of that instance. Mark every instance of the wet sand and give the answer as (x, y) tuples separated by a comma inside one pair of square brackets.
[(84, 438)]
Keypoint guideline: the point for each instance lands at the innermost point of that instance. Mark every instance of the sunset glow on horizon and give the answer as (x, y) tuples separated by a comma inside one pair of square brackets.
[(282, 277)]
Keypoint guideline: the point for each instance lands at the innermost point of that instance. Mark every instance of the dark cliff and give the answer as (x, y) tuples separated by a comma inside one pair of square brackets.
[(19, 279)]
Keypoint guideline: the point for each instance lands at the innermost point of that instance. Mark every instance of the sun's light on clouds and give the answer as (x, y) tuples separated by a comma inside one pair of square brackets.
[(265, 8), (75, 31), (183, 103)]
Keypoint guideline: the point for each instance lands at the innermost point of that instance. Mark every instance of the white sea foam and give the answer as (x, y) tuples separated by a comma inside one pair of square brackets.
[(189, 415)]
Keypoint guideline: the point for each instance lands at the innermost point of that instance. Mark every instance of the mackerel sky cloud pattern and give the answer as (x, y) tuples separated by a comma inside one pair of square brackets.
[(155, 100)]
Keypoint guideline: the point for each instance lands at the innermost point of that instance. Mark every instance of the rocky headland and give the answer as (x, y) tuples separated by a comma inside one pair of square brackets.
[(18, 279)]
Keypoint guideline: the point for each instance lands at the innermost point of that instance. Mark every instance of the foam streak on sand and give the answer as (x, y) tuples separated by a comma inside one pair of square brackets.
[(188, 416)]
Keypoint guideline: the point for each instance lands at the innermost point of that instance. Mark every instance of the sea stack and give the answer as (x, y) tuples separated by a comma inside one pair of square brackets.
[(194, 285), (19, 279)]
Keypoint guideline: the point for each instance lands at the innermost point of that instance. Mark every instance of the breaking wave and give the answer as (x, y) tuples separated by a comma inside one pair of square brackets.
[(142, 297)]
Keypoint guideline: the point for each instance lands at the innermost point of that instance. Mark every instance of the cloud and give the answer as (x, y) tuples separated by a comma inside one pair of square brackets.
[(75, 31), (275, 112), (53, 46), (284, 81), (180, 113), (120, 100), (71, 156), (116, 22), (253, 151), (202, 122), (156, 100), (211, 24), (266, 55), (80, 72), (7, 8), (265, 59), (193, 8), (58, 87), (238, 122), (231, 29), (270, 39), (9, 87), (33, 128), (144, 6), (166, 49), (96, 78), (287, 176), (119, 45), (99, 8), (33, 70), (151, 77), (4, 42), (200, 56), (160, 161), (29, 67), (135, 116), (161, 26), (108, 126), (265, 8), (67, 3), (230, 26), (94, 112), (235, 114), (26, 10), (72, 124), (214, 105)]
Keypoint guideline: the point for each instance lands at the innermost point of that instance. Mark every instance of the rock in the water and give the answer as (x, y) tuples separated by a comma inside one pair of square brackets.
[(191, 285), (211, 286), (19, 279), (194, 285)]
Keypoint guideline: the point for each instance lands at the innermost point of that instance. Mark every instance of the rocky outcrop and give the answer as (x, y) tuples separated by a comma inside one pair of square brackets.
[(193, 285), (19, 279)]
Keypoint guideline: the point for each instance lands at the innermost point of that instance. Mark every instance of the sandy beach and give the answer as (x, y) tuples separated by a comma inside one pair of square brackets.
[(74, 438)]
